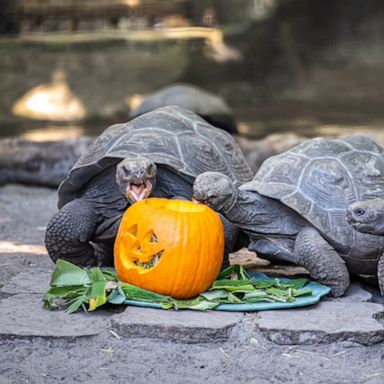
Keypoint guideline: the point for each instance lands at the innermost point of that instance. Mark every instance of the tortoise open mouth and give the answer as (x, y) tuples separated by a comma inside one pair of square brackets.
[(138, 192), (151, 263), (200, 200)]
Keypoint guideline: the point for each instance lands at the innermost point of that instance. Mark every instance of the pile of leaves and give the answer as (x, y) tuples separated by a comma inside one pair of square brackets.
[(74, 288)]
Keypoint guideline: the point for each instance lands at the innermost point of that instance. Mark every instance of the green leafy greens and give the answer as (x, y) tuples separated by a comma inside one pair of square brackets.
[(75, 288)]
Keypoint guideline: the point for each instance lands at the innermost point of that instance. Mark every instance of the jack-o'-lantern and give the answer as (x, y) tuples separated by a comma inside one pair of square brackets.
[(172, 247)]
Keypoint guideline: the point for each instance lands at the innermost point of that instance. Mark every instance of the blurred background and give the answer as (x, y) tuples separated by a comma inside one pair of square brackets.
[(313, 67)]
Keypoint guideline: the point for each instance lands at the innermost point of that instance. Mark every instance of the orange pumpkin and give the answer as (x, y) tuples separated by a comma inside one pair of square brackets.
[(172, 247)]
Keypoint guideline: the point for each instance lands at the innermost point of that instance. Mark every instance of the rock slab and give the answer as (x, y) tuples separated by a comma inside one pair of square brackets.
[(183, 326), (355, 293), (24, 316), (36, 280), (324, 323)]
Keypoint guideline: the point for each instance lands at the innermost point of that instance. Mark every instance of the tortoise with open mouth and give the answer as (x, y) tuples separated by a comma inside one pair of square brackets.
[(157, 154)]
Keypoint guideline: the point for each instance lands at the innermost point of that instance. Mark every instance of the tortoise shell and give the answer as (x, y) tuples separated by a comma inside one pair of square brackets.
[(320, 178), (170, 136)]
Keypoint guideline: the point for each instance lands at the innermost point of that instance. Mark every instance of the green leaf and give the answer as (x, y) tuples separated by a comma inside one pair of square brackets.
[(185, 304), (238, 269), (110, 274), (260, 300), (227, 272), (64, 293), (277, 291), (203, 305), (229, 283), (302, 292), (234, 299), (75, 304), (243, 273), (233, 285), (262, 283), (166, 305), (67, 274), (98, 295), (215, 294), (297, 283), (197, 304), (135, 293), (255, 294), (280, 299)]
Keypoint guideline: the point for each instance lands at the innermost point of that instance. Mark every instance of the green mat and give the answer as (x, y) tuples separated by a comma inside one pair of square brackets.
[(318, 291)]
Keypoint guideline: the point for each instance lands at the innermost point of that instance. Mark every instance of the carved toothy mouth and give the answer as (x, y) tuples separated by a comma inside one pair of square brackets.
[(151, 263), (155, 259)]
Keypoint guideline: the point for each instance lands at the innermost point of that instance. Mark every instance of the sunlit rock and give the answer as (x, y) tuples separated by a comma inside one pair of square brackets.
[(52, 101)]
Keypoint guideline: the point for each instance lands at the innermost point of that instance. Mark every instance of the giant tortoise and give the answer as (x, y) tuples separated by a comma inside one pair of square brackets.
[(157, 154)]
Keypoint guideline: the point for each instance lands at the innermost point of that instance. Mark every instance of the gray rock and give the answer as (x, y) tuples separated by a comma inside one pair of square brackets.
[(34, 281), (24, 316), (44, 163), (324, 323), (355, 293), (256, 151), (183, 326)]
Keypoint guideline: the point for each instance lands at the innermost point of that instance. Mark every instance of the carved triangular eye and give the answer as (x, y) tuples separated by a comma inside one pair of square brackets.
[(133, 230), (150, 237), (154, 239)]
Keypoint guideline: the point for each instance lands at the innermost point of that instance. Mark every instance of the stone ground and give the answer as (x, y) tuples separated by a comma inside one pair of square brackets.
[(335, 341)]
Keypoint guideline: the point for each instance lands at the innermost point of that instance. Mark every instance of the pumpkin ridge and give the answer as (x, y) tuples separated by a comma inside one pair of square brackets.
[(201, 243), (183, 258)]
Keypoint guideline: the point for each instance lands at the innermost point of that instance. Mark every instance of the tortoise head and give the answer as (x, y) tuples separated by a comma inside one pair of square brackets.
[(136, 178), (215, 190), (367, 216)]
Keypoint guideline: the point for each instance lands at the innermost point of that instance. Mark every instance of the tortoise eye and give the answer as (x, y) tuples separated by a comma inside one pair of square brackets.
[(359, 212)]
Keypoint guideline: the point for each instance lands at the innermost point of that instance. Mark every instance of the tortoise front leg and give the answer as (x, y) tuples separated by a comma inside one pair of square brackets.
[(380, 274), (69, 232), (104, 254), (321, 260)]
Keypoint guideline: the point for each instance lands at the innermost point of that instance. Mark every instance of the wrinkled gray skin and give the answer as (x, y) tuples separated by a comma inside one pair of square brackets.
[(158, 154), (295, 208), (368, 217)]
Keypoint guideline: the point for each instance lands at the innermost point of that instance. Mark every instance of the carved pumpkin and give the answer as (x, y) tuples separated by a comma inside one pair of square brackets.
[(172, 247)]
